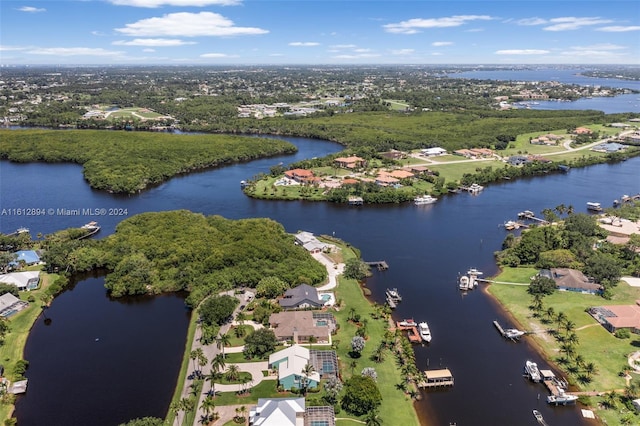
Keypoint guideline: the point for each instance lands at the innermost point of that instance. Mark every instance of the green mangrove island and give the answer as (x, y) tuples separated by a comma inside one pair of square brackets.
[(127, 162)]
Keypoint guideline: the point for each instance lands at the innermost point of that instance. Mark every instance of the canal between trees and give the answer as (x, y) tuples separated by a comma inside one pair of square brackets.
[(103, 361)]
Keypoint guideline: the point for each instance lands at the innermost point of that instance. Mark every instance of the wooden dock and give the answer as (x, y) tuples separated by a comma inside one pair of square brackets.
[(412, 332), (380, 264), (500, 329), (436, 379)]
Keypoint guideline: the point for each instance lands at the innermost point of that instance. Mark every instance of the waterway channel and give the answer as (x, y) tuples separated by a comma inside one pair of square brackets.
[(72, 377)]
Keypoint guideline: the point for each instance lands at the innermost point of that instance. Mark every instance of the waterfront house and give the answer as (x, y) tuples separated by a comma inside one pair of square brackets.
[(433, 152), (571, 280), (518, 160), (290, 363), (608, 147), (30, 257), (582, 131), (27, 280), (386, 180), (290, 412), (616, 317), (310, 242), (301, 297), (300, 175), (9, 305), (301, 326), (352, 162)]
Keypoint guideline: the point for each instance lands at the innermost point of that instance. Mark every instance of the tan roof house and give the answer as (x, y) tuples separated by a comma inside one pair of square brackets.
[(615, 317), (300, 326), (352, 162), (571, 280), (300, 175)]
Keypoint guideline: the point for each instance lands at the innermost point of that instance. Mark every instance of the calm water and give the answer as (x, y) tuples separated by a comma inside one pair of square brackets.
[(426, 247), (618, 104)]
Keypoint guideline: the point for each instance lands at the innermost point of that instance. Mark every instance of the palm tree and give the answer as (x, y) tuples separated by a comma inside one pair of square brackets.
[(550, 312), (213, 377), (222, 341), (232, 373), (194, 355), (312, 340), (560, 319), (610, 399), (352, 365), (239, 331), (217, 363), (304, 379), (202, 359), (590, 369), (569, 326), (373, 418), (208, 405)]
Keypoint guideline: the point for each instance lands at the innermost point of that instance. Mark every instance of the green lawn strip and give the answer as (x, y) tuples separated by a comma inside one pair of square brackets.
[(454, 172), (238, 341), (596, 345), (265, 389), (12, 349), (396, 408), (182, 376)]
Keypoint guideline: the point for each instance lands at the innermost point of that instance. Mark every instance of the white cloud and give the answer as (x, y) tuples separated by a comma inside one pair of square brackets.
[(362, 50), (474, 30), (181, 3), (73, 51), (343, 46), (30, 9), (573, 23), (599, 46), (358, 56), (216, 55), (531, 21), (413, 26), (304, 43), (619, 29), (402, 52), (276, 54), (522, 52), (148, 50), (441, 43), (11, 48), (436, 54), (187, 24), (157, 42)]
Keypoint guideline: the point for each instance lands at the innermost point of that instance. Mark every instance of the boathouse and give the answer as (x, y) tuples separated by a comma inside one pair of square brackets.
[(437, 378)]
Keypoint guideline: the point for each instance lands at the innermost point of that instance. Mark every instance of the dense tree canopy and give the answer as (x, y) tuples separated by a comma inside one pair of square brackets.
[(262, 341), (217, 310), (120, 161), (361, 395), (181, 250)]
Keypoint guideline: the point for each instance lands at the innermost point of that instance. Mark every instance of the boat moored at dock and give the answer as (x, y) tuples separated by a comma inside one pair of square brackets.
[(425, 332), (424, 199), (532, 371), (510, 225), (393, 297), (594, 207), (562, 398)]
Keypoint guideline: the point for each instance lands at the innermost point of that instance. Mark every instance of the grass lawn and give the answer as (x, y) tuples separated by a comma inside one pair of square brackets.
[(266, 389), (596, 344), (397, 408), (241, 375), (454, 172), (182, 376), (20, 324)]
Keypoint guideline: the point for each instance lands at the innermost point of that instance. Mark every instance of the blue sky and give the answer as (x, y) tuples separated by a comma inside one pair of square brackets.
[(223, 32)]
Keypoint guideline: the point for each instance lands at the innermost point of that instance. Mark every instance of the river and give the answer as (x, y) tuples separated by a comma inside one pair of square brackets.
[(75, 379)]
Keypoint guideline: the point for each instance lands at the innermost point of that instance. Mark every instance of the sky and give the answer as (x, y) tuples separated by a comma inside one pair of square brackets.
[(318, 32)]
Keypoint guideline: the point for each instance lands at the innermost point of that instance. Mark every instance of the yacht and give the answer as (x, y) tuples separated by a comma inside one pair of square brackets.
[(513, 333), (475, 188), (91, 226), (425, 332), (424, 199), (538, 416), (392, 293), (531, 368), (464, 283), (511, 225), (562, 398), (595, 207)]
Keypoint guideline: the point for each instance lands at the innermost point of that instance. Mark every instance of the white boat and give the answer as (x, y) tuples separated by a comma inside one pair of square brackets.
[(91, 226), (464, 283), (407, 323), (474, 272), (475, 188), (531, 368), (425, 332), (511, 225), (22, 230), (596, 207), (513, 333), (538, 416), (562, 398), (424, 199), (526, 214), (392, 293)]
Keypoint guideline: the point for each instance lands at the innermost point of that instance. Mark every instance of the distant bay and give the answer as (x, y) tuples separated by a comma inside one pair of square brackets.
[(608, 105)]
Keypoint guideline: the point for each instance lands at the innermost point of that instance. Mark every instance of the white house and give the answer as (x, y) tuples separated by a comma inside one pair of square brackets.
[(432, 152), (278, 412), (27, 280)]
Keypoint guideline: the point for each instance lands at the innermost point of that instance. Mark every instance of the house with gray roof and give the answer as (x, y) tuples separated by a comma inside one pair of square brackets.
[(301, 297), (290, 412), (571, 280), (9, 305), (310, 242)]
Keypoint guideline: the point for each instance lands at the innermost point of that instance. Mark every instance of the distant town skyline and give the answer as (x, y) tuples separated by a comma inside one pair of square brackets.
[(318, 32)]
